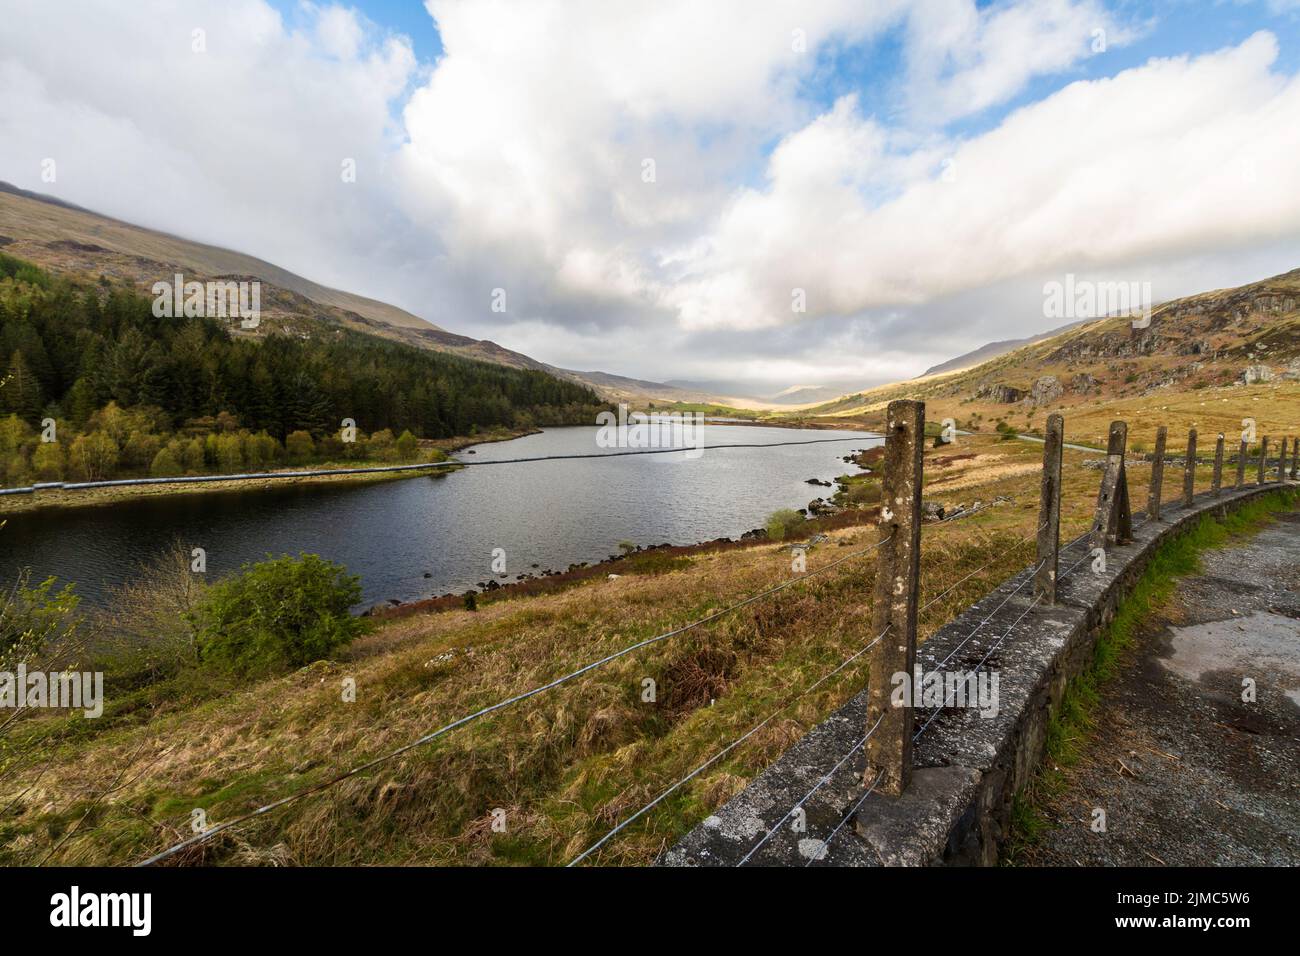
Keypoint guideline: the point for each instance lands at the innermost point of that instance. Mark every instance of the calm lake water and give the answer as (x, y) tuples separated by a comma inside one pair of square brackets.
[(552, 513)]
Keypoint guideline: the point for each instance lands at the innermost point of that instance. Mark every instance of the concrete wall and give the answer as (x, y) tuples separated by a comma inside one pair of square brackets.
[(958, 807)]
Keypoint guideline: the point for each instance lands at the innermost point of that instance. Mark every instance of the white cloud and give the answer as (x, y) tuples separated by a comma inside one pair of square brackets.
[(240, 144), (1174, 156), (963, 60)]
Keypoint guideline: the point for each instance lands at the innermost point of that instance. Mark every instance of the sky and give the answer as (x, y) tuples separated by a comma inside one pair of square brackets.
[(753, 195)]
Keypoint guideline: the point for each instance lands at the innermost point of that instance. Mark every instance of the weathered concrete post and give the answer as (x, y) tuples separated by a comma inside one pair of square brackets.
[(1157, 474), (1113, 523), (1216, 483), (1189, 470), (889, 746), (1049, 511), (1281, 462), (1263, 461), (1241, 464)]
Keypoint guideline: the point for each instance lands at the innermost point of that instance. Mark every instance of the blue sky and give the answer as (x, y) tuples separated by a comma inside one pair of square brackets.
[(873, 70)]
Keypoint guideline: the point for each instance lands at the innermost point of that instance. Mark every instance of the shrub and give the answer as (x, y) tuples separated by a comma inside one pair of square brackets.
[(281, 612), (230, 455), (147, 631), (861, 493), (381, 445), (192, 455), (47, 459), (164, 464), (781, 522), (93, 456), (407, 447), (34, 618), (262, 450), (299, 447)]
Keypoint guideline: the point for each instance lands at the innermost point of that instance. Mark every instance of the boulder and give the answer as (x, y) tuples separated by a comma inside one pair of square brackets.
[(1046, 389), (1000, 394), (1083, 383), (1255, 374)]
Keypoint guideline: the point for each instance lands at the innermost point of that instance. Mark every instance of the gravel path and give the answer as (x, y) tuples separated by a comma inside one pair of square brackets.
[(1186, 771)]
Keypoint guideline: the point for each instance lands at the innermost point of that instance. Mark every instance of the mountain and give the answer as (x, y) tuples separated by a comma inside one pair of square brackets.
[(58, 234), (805, 394), (761, 395), (992, 350), (66, 238), (622, 389)]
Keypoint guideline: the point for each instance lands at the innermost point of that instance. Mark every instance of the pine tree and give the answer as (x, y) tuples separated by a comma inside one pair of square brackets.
[(21, 392)]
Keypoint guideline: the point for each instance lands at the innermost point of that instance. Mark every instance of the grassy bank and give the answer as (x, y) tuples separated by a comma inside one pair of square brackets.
[(1076, 718)]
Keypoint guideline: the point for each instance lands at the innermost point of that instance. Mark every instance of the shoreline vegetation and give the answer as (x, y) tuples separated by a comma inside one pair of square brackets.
[(51, 498)]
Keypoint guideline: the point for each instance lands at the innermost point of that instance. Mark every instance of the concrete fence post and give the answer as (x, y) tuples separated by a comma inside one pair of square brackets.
[(1049, 511), (1113, 523), (1189, 470), (1157, 474), (1241, 464), (889, 746), (1216, 482), (1263, 461)]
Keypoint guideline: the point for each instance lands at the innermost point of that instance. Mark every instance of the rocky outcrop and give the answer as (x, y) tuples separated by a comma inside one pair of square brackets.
[(1256, 374), (1083, 384), (1000, 394), (1046, 389)]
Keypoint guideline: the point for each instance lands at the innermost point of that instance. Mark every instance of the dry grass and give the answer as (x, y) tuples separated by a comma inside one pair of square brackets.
[(564, 766)]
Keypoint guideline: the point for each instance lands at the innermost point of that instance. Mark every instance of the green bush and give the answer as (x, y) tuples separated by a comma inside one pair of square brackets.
[(34, 618), (300, 447), (278, 613), (164, 464), (781, 522), (407, 447)]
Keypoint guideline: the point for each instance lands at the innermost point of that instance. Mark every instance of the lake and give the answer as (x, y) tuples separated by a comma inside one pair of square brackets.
[(549, 513)]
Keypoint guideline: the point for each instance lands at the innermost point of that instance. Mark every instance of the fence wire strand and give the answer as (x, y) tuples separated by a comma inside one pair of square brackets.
[(726, 750)]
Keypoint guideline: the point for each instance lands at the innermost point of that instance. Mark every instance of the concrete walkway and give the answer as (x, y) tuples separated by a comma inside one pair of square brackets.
[(1185, 770)]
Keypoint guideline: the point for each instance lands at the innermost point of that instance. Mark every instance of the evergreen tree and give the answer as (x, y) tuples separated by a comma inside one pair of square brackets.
[(21, 392)]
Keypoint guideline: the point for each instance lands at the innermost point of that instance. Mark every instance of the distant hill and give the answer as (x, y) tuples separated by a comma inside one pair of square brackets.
[(992, 350)]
